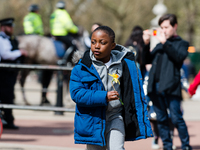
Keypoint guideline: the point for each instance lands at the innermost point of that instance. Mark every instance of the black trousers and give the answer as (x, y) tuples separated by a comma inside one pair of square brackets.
[(67, 40), (7, 83)]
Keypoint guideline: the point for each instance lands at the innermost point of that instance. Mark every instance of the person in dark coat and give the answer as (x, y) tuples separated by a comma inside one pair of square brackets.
[(9, 53), (164, 86), (135, 43)]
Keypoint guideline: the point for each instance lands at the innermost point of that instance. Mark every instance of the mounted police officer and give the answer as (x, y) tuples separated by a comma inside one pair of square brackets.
[(33, 25), (33, 22), (62, 25), (9, 53)]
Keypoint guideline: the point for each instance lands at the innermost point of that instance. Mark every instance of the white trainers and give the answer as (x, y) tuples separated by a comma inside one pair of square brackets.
[(155, 143), (155, 146), (174, 147)]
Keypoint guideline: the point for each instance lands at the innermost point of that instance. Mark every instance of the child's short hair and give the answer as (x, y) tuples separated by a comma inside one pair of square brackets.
[(108, 30)]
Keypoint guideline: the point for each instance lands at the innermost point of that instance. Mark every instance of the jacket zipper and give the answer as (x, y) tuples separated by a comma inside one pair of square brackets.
[(141, 102), (103, 110), (107, 69), (102, 126), (102, 114)]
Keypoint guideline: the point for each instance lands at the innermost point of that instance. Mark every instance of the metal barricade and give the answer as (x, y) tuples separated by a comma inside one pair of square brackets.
[(59, 102), (39, 108)]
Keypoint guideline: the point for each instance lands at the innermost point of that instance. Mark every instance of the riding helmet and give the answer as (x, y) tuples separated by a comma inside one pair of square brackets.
[(33, 8), (60, 5)]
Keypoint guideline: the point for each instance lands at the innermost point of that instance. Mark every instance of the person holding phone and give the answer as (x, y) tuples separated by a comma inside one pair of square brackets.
[(164, 86)]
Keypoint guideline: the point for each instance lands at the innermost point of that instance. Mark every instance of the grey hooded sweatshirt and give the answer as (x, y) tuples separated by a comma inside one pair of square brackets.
[(114, 108)]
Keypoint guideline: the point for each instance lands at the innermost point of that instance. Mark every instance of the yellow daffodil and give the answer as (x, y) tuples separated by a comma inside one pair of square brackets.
[(115, 77)]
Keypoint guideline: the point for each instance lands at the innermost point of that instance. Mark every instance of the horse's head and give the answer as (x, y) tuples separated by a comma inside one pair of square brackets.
[(80, 40)]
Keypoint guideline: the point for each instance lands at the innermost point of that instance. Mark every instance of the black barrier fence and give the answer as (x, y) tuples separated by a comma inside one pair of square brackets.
[(36, 67), (37, 90), (59, 102), (39, 108)]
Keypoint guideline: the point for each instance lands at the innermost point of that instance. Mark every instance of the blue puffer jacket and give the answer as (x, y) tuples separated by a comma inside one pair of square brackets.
[(87, 91)]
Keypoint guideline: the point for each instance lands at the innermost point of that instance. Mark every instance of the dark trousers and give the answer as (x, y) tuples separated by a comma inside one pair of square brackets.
[(46, 79), (67, 40), (7, 83), (163, 102)]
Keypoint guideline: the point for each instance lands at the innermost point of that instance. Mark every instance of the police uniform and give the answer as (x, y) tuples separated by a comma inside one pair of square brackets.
[(33, 24), (61, 25), (9, 53)]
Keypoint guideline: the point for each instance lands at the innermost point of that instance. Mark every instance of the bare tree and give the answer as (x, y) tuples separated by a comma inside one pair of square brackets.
[(120, 15)]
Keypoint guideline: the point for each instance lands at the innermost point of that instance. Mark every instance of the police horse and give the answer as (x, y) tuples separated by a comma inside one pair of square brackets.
[(48, 51)]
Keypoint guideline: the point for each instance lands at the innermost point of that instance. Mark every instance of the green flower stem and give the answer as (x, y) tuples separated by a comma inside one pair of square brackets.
[(120, 101), (117, 96), (113, 86)]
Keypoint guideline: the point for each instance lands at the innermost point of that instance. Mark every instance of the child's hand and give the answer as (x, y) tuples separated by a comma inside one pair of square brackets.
[(112, 95)]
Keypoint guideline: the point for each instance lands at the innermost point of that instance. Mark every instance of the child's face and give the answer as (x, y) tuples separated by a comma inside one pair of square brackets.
[(101, 45)]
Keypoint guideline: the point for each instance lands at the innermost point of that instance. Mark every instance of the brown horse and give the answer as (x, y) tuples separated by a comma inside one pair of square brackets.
[(41, 50)]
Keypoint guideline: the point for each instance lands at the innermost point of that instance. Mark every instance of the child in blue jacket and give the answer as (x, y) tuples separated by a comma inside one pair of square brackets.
[(107, 88)]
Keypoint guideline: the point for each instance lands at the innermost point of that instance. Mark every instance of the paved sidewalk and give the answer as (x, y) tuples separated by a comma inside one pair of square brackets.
[(4, 146), (40, 130), (43, 130)]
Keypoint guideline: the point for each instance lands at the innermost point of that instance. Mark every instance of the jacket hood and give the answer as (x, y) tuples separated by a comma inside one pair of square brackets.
[(121, 48), (86, 60)]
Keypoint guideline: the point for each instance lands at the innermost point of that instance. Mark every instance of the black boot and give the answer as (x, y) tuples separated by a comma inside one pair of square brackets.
[(10, 126), (45, 101)]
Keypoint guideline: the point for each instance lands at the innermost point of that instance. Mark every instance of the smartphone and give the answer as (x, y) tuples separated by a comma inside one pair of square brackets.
[(154, 32)]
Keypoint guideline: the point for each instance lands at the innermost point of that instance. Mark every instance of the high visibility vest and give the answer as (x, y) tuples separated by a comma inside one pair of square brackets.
[(61, 23), (33, 24)]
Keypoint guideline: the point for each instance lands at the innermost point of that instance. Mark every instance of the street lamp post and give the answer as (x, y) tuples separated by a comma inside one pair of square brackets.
[(159, 9)]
